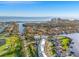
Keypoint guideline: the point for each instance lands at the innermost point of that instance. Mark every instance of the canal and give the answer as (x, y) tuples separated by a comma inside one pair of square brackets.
[(21, 28)]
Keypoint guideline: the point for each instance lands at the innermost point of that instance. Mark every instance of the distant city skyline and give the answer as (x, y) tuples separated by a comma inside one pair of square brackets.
[(40, 8)]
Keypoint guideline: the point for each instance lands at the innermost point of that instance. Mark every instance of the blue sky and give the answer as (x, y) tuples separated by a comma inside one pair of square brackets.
[(36, 9)]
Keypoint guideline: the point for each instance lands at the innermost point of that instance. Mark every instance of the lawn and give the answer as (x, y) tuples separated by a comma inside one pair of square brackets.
[(11, 46), (64, 42)]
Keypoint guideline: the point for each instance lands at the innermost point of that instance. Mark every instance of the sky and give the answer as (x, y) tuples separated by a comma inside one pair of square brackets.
[(40, 8)]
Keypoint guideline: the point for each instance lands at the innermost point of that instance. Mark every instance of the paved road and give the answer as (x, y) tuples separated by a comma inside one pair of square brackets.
[(41, 46)]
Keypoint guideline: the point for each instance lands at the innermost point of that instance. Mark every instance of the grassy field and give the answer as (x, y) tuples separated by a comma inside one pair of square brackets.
[(11, 47), (65, 42)]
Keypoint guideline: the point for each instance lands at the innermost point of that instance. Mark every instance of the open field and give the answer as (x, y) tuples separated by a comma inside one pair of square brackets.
[(11, 46)]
